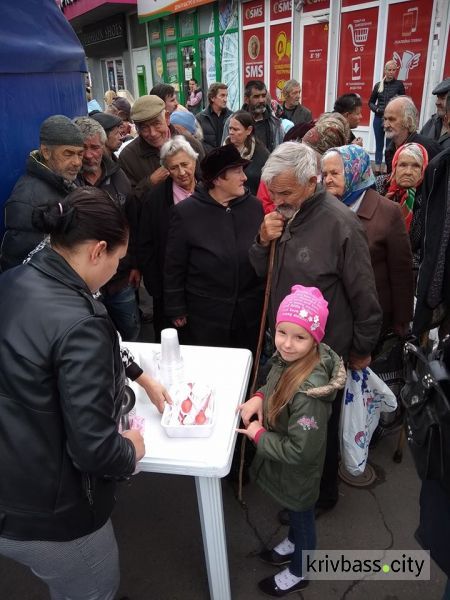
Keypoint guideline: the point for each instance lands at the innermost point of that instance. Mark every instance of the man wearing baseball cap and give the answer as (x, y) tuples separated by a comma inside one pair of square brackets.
[(436, 127), (50, 175), (140, 158)]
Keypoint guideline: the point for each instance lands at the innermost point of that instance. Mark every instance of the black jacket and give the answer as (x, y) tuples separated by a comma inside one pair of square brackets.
[(212, 125), (300, 114), (433, 285), (38, 186), (433, 128), (207, 269), (253, 171), (379, 100), (60, 396), (114, 181), (154, 225)]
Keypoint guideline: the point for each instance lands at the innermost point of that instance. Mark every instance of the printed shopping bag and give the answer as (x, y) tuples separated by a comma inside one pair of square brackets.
[(365, 396)]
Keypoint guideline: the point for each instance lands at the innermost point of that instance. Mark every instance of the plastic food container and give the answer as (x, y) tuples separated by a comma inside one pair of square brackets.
[(192, 411)]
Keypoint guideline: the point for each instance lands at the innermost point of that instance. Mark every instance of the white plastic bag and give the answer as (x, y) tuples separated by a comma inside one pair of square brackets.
[(365, 396)]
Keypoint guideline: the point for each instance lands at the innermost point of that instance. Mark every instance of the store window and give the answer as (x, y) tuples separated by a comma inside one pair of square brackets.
[(112, 74), (205, 17), (229, 53), (169, 29), (154, 32), (138, 32), (172, 66), (157, 65), (228, 16), (187, 24)]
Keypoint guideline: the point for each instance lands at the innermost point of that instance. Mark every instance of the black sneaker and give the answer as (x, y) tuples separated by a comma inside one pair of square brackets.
[(269, 587), (274, 558)]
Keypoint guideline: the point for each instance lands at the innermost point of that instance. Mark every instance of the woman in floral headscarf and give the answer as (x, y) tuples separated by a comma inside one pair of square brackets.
[(347, 174)]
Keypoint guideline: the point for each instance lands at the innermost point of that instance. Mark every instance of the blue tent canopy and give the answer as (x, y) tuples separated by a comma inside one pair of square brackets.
[(42, 66)]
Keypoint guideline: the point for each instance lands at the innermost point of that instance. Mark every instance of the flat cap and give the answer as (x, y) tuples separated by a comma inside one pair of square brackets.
[(442, 88), (58, 130), (106, 120), (146, 108)]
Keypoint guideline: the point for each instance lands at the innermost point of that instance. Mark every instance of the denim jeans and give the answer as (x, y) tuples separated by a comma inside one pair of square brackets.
[(302, 533), (123, 309), (379, 139)]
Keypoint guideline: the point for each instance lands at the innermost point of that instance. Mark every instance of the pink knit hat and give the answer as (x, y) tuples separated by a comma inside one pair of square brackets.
[(305, 306)]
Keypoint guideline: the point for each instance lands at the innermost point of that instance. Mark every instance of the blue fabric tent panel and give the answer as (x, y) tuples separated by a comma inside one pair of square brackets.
[(26, 101), (37, 38)]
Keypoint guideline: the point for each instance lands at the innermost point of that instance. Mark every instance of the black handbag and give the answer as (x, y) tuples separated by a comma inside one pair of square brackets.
[(425, 396)]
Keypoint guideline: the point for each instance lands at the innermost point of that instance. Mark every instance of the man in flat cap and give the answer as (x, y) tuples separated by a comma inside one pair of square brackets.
[(50, 175), (140, 158), (111, 124), (437, 127)]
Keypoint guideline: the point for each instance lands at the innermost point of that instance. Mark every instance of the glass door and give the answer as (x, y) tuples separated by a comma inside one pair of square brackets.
[(190, 67)]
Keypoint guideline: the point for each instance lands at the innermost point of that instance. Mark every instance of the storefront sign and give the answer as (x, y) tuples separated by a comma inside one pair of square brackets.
[(314, 71), (357, 55), (104, 31), (310, 5), (253, 12), (280, 58), (354, 2), (253, 54), (280, 9), (407, 43), (154, 9)]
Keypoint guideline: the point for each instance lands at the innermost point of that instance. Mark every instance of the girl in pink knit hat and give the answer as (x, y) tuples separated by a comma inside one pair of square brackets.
[(287, 420)]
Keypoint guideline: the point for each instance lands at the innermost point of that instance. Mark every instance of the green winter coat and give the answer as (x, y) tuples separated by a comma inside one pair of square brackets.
[(290, 454)]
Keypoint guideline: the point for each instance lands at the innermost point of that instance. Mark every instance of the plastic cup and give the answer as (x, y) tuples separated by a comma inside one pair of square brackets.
[(170, 347)]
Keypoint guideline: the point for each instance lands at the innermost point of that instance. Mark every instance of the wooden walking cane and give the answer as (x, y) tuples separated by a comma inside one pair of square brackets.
[(262, 330)]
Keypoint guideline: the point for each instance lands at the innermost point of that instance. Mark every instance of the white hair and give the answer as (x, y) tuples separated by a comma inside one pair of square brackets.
[(410, 114), (291, 156), (412, 150), (176, 144)]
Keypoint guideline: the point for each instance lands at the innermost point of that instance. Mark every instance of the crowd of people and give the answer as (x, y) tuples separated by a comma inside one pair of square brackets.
[(199, 206)]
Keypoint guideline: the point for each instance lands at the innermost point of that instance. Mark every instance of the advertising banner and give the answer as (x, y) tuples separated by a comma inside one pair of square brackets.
[(357, 55), (407, 43), (280, 9), (310, 5), (447, 61), (253, 54), (314, 72), (280, 58), (155, 9), (253, 12)]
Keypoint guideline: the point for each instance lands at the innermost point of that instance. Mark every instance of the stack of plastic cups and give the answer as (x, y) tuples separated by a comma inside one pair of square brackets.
[(171, 362)]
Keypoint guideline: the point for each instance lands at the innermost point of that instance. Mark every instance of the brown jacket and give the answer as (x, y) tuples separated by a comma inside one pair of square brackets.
[(325, 246), (139, 160), (391, 257)]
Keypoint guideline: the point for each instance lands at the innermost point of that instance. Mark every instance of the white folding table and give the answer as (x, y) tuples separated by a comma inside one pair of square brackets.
[(206, 459)]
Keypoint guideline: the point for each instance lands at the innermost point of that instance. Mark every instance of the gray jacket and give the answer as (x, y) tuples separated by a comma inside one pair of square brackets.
[(325, 246), (432, 129)]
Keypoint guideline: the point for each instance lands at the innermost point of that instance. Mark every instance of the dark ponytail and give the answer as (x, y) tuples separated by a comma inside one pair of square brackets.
[(85, 214)]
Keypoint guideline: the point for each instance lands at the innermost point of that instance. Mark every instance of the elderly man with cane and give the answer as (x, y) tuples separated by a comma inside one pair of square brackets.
[(319, 243)]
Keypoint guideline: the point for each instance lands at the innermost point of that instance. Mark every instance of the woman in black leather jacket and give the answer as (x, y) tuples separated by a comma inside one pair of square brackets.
[(60, 394), (382, 92)]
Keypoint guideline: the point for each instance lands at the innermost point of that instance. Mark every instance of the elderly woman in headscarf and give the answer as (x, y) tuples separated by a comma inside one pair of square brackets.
[(347, 174), (404, 186)]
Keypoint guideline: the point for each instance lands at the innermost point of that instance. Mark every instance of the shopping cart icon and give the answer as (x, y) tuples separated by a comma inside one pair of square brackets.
[(359, 36)]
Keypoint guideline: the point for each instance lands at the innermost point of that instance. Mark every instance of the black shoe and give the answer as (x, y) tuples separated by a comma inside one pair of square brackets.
[(269, 587), (323, 507), (274, 558), (283, 517)]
